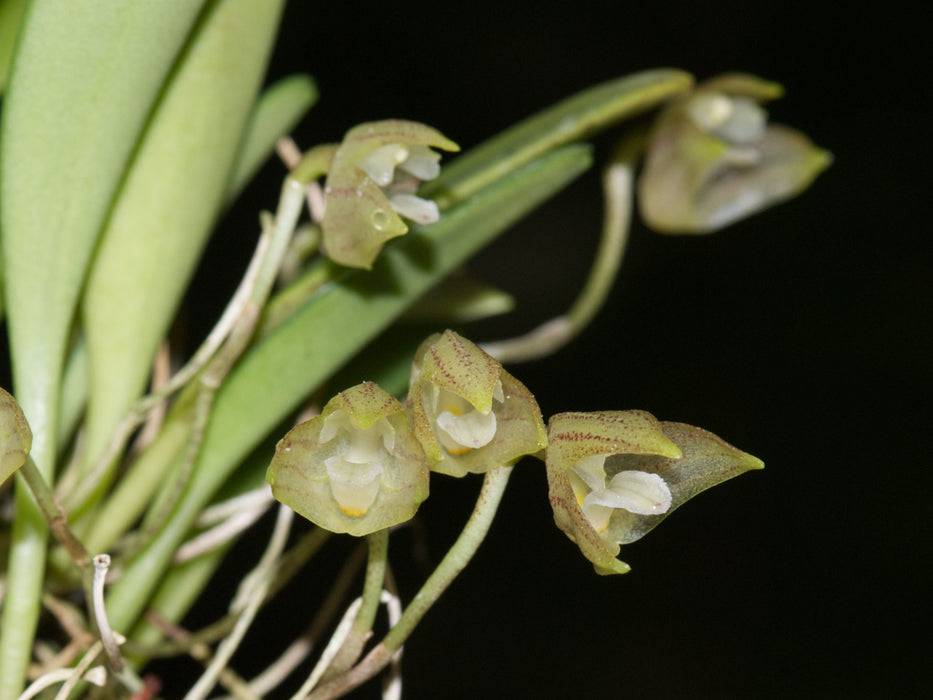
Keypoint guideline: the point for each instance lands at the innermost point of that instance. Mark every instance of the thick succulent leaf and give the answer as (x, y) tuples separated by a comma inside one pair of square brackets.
[(298, 356), (15, 436), (280, 107), (83, 81), (168, 205), (577, 117)]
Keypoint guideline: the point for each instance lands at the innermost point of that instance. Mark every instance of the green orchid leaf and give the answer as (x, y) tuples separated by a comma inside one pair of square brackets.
[(577, 117), (280, 107), (169, 204), (70, 122), (275, 377)]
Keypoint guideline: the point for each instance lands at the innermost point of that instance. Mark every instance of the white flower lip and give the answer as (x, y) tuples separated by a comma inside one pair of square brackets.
[(380, 164), (415, 161), (419, 210), (738, 120), (635, 491), (355, 473), (460, 427)]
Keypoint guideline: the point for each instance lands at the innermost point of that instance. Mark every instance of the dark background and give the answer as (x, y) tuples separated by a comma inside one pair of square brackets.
[(801, 335)]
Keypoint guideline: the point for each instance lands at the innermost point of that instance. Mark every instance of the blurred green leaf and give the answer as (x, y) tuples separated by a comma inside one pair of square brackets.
[(82, 85), (575, 118)]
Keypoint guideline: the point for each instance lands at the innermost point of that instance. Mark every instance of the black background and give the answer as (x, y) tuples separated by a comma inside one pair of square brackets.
[(801, 335)]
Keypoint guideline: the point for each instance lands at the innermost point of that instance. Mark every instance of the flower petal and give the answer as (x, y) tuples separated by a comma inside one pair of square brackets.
[(422, 162), (354, 485), (421, 211), (470, 430), (380, 164), (634, 491)]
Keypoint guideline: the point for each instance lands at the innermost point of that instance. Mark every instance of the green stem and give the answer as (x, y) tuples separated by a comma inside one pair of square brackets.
[(28, 548), (314, 163), (24, 588), (56, 520), (552, 335), (372, 590), (450, 567)]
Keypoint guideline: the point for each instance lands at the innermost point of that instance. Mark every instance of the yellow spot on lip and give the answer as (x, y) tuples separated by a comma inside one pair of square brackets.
[(354, 512)]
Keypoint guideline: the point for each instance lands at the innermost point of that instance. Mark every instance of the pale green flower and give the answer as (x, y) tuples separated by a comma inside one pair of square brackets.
[(713, 159), (613, 476), (355, 468), (372, 184), (468, 412)]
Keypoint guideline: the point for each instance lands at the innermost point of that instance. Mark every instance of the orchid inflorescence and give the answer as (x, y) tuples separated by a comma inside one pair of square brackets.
[(363, 463)]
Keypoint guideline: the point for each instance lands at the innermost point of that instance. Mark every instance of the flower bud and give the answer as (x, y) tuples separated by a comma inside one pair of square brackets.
[(712, 158), (355, 468), (614, 476), (469, 414), (15, 436), (372, 183)]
